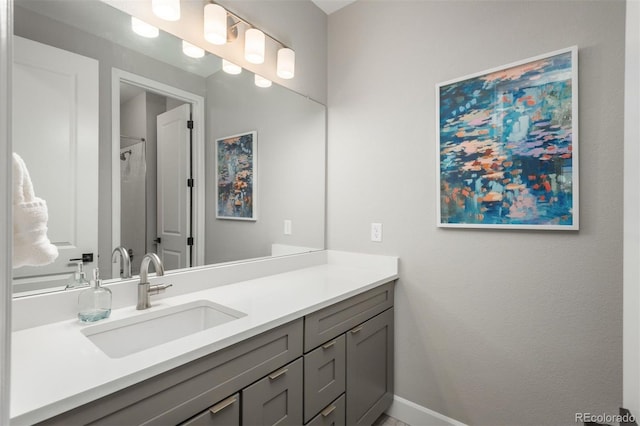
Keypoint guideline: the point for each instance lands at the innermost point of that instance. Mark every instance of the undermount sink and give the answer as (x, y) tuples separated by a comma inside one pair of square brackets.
[(130, 335)]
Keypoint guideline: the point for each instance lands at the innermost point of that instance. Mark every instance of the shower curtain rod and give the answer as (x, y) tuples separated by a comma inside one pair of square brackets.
[(133, 137)]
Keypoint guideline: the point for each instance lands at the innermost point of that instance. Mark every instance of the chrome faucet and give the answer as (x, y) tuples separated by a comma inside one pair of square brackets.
[(125, 261), (145, 289)]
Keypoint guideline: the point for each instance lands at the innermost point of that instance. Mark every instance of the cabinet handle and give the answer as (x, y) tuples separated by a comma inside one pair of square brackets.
[(278, 373), (328, 410), (222, 405), (328, 345), (357, 329)]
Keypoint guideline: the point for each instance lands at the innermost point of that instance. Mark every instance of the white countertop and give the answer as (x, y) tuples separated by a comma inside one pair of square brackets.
[(56, 368)]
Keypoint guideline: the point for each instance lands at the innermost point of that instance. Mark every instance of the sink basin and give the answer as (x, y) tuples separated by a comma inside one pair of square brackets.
[(130, 335)]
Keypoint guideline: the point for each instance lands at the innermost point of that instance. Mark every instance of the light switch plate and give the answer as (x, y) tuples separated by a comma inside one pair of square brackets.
[(376, 232), (287, 227)]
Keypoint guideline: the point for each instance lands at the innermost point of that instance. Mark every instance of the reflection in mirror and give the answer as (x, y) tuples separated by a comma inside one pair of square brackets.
[(72, 149)]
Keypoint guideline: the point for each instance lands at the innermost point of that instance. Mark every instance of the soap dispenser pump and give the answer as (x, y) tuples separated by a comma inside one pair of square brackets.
[(94, 303), (79, 278)]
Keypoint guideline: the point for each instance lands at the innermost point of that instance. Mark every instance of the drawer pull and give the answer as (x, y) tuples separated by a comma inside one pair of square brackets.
[(328, 410), (278, 373), (357, 329), (222, 405), (328, 345)]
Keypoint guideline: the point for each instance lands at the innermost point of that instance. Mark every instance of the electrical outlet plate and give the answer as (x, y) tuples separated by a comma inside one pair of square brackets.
[(376, 232)]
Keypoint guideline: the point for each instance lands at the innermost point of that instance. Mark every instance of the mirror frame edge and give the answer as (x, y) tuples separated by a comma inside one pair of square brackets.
[(6, 32)]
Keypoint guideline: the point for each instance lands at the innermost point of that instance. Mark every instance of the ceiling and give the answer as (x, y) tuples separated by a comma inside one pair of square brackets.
[(330, 6)]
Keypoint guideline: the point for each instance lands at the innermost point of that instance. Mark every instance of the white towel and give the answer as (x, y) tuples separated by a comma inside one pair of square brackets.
[(31, 247)]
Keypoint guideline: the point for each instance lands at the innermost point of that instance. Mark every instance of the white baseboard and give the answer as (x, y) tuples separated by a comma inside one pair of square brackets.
[(417, 415)]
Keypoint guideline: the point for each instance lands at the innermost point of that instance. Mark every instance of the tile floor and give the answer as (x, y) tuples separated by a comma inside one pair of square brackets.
[(385, 420)]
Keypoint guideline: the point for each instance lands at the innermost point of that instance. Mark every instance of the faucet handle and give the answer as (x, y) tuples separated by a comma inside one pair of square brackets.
[(158, 288)]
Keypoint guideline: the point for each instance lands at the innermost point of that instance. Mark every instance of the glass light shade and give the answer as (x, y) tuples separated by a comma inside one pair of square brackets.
[(215, 24), (169, 10), (230, 67), (261, 81), (286, 63), (143, 29), (254, 46), (191, 50)]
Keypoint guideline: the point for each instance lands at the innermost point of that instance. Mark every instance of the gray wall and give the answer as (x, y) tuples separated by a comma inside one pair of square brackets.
[(492, 327), (291, 136)]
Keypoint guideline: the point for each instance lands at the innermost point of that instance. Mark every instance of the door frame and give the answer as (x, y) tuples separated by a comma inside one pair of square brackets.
[(197, 111)]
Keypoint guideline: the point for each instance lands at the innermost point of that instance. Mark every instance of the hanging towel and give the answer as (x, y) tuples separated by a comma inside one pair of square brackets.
[(31, 247)]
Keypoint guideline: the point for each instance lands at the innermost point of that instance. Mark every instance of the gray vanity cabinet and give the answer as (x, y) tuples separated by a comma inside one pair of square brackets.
[(370, 369), (364, 325), (276, 399), (332, 367), (224, 413)]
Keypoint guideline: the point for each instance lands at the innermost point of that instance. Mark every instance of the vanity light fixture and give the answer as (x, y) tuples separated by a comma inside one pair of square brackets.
[(230, 67), (143, 29), (221, 26), (286, 64), (169, 10), (192, 51), (260, 81), (254, 46), (215, 24)]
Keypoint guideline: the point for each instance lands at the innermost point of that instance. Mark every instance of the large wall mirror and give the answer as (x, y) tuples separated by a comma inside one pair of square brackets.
[(102, 119)]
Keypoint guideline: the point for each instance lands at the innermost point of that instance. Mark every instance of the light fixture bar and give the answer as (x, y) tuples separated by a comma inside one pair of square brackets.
[(249, 24)]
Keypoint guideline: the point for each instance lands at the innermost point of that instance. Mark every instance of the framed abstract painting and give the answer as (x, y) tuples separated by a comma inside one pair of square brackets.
[(507, 146), (236, 172)]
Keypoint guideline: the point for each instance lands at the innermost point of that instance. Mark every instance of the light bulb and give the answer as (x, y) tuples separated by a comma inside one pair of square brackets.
[(286, 63), (230, 67), (168, 10), (215, 24), (254, 46), (143, 29), (260, 81), (191, 50)]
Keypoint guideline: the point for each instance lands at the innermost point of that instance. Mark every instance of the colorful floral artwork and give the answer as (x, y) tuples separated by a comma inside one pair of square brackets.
[(507, 146), (236, 177)]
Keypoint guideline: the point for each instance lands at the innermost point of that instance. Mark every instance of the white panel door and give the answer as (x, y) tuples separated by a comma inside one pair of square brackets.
[(55, 131), (173, 196)]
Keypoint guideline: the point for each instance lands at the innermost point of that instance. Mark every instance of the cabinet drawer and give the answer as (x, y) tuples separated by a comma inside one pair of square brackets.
[(324, 376), (224, 413), (276, 399), (177, 395), (332, 415), (327, 323)]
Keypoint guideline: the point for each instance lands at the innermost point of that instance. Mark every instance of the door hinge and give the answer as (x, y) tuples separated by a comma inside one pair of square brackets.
[(190, 124), (190, 182), (190, 241)]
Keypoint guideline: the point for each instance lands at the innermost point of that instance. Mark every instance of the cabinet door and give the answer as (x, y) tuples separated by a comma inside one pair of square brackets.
[(224, 413), (370, 369), (324, 376), (276, 399)]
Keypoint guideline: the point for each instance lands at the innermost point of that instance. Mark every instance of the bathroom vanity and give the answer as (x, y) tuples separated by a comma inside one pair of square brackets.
[(309, 345)]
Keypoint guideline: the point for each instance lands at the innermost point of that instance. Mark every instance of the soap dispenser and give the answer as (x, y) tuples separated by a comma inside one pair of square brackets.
[(79, 278), (94, 303)]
